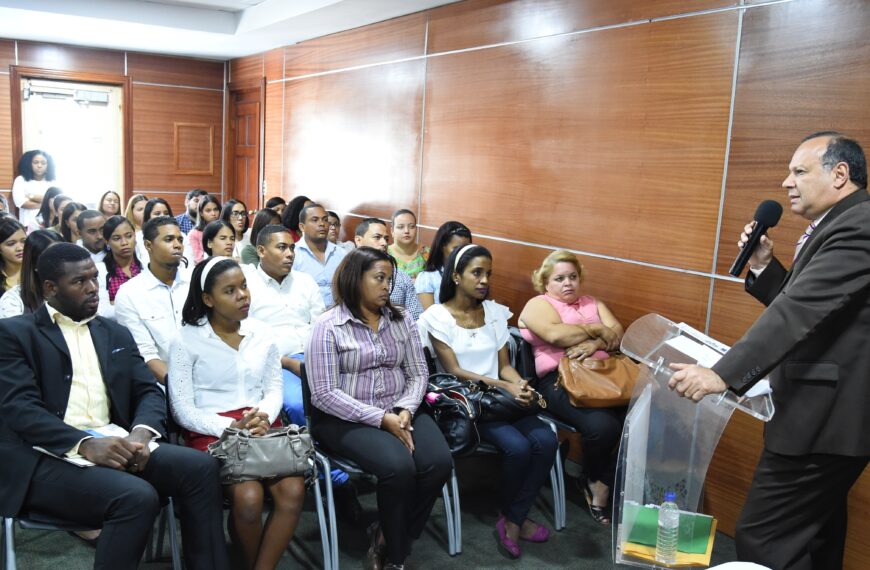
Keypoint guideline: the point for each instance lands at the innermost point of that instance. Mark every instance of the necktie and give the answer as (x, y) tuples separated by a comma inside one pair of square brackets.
[(803, 239)]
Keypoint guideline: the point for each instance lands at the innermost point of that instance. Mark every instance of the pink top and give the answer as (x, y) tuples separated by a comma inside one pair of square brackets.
[(583, 311), (195, 237)]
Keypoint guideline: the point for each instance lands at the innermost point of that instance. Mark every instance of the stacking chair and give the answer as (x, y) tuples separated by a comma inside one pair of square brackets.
[(328, 460)]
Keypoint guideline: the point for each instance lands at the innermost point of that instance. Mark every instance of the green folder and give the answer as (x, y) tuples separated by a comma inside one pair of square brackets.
[(694, 528)]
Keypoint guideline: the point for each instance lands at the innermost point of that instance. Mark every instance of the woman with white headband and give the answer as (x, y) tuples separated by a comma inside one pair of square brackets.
[(225, 371), (469, 335)]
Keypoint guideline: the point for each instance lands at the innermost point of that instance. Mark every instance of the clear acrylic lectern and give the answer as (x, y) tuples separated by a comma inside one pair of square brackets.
[(668, 441)]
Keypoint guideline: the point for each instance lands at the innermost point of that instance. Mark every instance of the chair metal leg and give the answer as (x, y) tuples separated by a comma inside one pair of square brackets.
[(330, 508), (324, 530), (557, 482), (9, 542), (173, 536), (448, 512), (457, 513)]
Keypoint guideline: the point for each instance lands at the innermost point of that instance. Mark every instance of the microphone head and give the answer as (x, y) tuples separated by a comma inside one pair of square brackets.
[(768, 213)]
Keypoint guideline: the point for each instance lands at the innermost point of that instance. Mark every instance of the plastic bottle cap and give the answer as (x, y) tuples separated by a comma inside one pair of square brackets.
[(670, 496)]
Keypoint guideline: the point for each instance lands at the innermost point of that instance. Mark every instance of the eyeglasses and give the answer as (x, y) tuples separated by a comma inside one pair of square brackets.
[(235, 214), (334, 225)]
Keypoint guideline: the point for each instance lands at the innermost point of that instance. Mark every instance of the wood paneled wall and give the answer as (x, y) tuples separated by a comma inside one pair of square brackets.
[(640, 134), (166, 91)]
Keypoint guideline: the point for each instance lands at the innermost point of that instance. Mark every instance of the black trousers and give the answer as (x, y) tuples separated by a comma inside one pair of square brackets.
[(407, 484), (795, 515), (600, 429), (126, 505)]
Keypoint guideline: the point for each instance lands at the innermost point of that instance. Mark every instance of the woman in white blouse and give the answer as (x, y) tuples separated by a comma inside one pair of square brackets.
[(469, 335), (225, 371)]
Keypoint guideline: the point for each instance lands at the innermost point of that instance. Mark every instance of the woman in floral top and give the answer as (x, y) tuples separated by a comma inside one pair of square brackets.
[(409, 255)]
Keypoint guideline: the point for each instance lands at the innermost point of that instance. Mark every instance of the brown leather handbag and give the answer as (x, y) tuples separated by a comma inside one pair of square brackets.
[(593, 383)]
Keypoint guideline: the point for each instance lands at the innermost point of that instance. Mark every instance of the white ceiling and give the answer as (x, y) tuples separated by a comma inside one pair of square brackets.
[(218, 29)]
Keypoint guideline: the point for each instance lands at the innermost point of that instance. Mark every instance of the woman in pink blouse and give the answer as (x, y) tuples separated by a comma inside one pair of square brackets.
[(561, 322), (368, 375)]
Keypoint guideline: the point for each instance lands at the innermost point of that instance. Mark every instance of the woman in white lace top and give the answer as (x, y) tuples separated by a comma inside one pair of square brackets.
[(225, 371)]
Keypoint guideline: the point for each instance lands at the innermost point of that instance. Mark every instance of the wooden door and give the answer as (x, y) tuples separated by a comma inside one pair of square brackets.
[(243, 176)]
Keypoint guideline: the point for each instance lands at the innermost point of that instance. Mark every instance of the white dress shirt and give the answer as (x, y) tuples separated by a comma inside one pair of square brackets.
[(97, 257), (208, 377), (151, 310), (289, 307)]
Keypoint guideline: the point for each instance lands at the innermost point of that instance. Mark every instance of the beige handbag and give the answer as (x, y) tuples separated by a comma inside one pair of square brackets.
[(282, 452), (593, 383)]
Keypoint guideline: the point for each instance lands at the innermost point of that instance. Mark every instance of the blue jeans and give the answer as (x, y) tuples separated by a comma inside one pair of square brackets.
[(293, 407), (529, 449)]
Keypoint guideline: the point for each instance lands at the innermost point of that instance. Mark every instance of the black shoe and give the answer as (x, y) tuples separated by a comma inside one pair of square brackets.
[(347, 504), (375, 554)]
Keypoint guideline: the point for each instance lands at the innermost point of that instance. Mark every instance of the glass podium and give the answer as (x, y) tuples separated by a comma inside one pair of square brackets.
[(668, 442)]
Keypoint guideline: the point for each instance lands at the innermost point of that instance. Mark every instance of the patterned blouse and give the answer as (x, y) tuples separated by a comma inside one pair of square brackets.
[(357, 374), (118, 278), (413, 267)]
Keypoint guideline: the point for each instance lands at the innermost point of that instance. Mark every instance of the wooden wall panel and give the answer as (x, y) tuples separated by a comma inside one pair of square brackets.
[(619, 131), (155, 110), (385, 41), (273, 64), (273, 173), (804, 67), (351, 140), (7, 55), (70, 58), (175, 70), (470, 24), (7, 162), (250, 68), (733, 311)]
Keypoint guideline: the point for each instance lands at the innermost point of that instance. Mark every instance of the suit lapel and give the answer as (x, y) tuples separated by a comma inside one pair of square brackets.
[(51, 331)]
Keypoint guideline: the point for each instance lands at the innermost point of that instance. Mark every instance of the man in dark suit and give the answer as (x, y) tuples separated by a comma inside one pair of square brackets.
[(814, 341), (64, 370)]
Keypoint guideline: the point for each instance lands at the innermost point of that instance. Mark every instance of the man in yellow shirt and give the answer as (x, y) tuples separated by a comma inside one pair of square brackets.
[(64, 371)]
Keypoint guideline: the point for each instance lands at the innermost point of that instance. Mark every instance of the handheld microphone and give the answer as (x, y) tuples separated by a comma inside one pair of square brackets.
[(766, 216)]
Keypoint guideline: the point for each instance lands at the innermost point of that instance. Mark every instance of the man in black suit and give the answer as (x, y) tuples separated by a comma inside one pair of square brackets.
[(814, 341), (64, 370)]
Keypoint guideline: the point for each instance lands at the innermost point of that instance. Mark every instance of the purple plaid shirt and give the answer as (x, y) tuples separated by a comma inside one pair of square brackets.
[(357, 374)]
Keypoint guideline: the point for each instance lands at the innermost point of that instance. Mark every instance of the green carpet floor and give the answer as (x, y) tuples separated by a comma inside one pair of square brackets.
[(583, 544)]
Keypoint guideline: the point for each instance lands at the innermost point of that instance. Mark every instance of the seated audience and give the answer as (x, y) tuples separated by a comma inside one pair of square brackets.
[(208, 210), (36, 174), (225, 373), (59, 203), (150, 304), (470, 336), (12, 238), (277, 204), (315, 255), (372, 232), (121, 263), (367, 389), (264, 217), (65, 370), (135, 211), (69, 229), (187, 220), (90, 225), (335, 230), (219, 238), (409, 255), (109, 204), (235, 213), (562, 322), (26, 297), (287, 300), (451, 235), (290, 216), (47, 214)]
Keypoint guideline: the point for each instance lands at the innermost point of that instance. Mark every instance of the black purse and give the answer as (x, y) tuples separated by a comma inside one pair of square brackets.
[(449, 402), (498, 405)]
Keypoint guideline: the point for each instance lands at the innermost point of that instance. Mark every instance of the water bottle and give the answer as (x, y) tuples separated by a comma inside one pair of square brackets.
[(669, 530)]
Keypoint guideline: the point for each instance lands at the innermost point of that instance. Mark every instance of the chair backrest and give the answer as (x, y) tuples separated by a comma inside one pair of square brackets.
[(306, 396), (522, 355)]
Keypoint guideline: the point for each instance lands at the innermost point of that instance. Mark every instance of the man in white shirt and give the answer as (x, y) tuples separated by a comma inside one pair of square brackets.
[(150, 304), (289, 301), (90, 224)]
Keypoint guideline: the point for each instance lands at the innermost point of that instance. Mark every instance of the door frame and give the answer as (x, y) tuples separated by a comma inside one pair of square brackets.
[(16, 73), (257, 86)]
